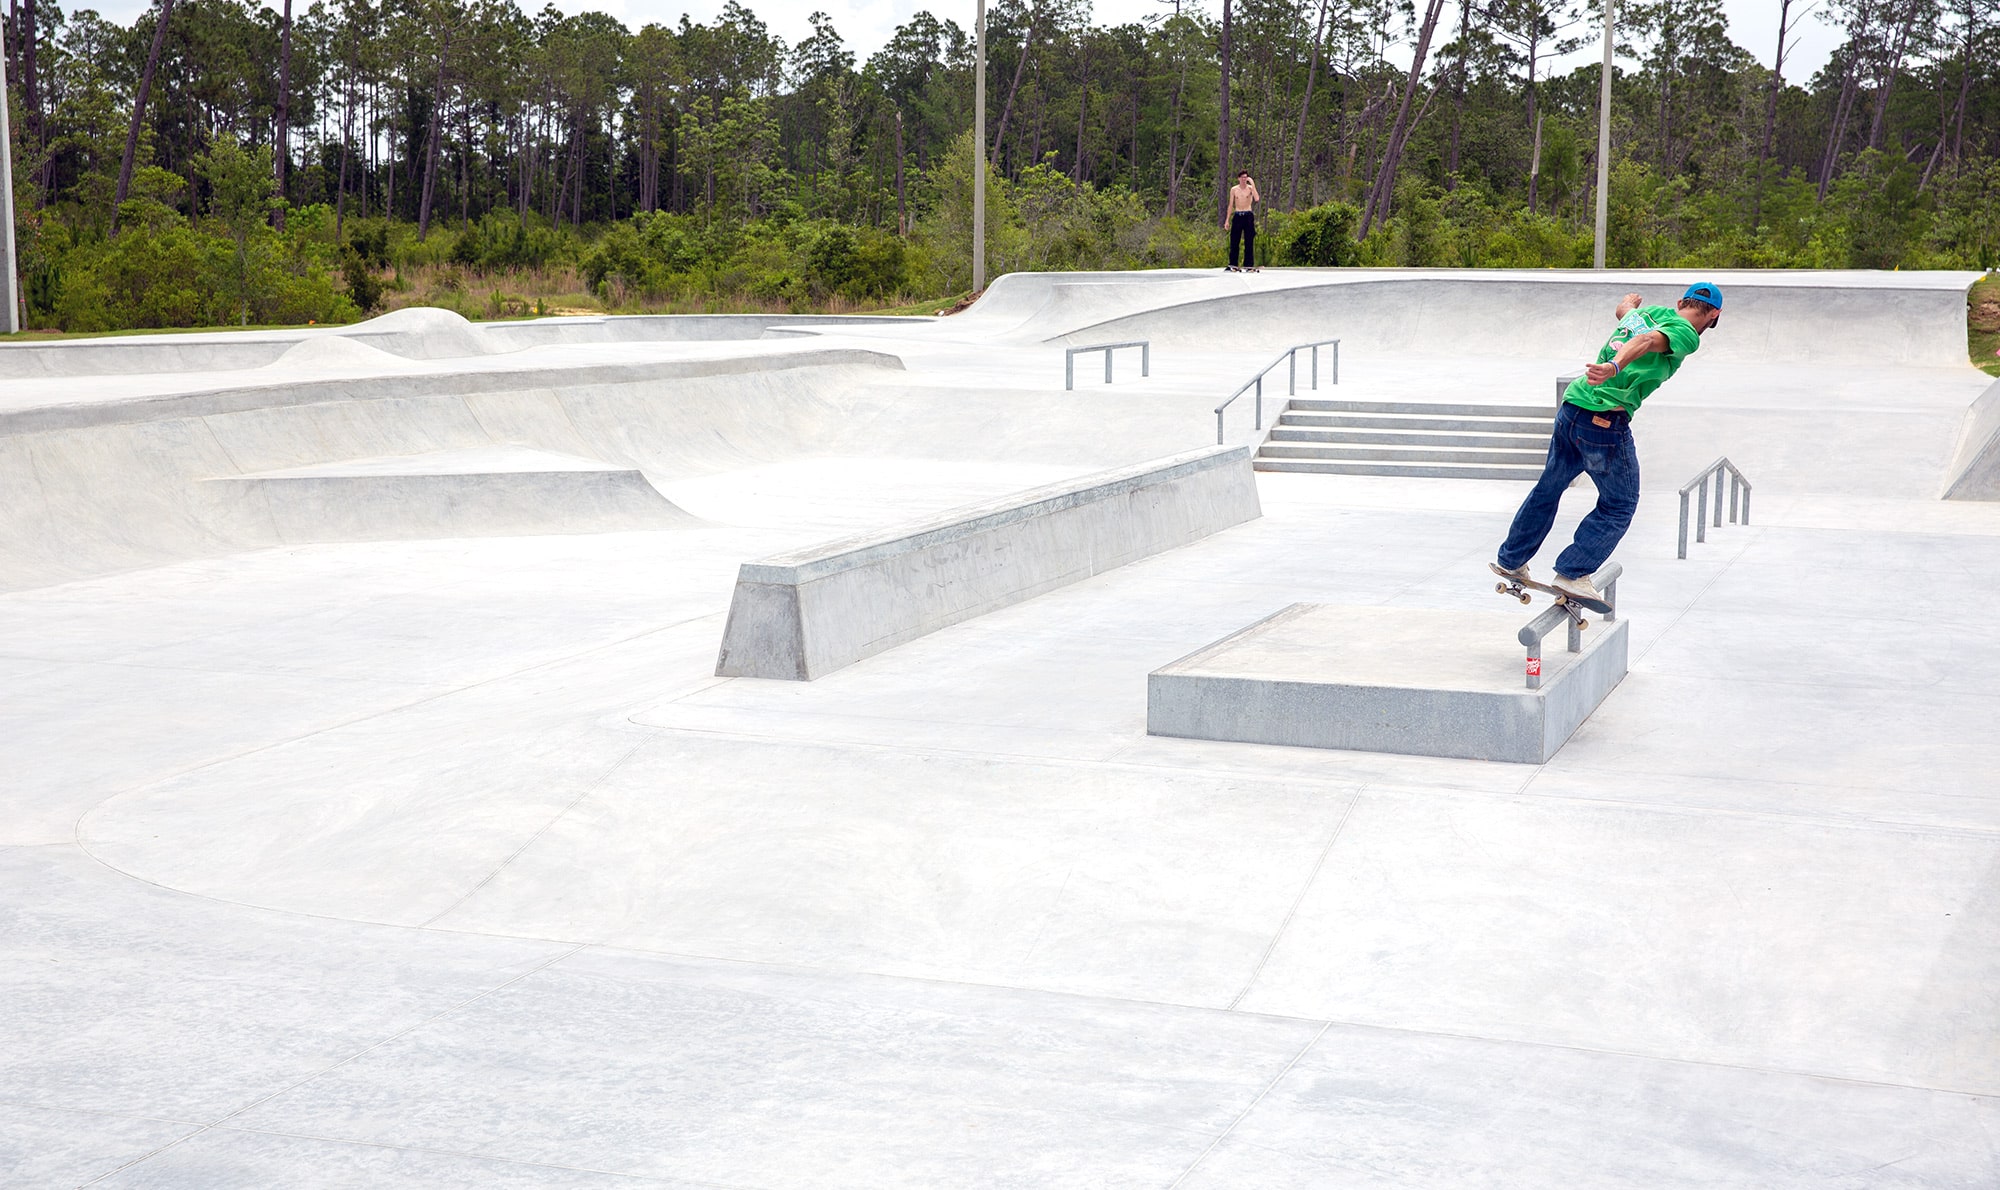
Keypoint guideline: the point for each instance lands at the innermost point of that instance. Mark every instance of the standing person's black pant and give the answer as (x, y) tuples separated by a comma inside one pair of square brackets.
[(1243, 231)]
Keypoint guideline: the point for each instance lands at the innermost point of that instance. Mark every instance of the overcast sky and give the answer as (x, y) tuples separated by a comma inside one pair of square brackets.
[(866, 24)]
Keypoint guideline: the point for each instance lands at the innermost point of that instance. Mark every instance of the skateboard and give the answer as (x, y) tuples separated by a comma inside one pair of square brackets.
[(1519, 588)]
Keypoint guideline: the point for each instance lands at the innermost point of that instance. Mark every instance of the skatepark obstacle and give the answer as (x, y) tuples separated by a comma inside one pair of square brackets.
[(1737, 484), (1289, 356), (801, 615), (1412, 439), (1417, 681), (1531, 634), (1070, 353), (1975, 471)]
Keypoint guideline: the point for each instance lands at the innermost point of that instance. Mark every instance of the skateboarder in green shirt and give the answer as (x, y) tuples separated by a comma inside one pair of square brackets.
[(1593, 435)]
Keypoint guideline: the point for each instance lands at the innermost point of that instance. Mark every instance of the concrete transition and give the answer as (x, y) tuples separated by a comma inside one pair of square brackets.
[(1419, 681), (1975, 469), (477, 492), (805, 613)]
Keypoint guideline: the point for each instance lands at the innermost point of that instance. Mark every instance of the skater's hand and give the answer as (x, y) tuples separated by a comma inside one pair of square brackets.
[(1632, 302), (1599, 373)]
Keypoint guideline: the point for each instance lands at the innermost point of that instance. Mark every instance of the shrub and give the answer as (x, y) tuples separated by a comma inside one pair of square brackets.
[(364, 288), (1323, 236)]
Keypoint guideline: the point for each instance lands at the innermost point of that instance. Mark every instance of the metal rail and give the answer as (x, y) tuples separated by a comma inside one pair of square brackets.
[(1291, 356), (1737, 484), (1606, 580), (1145, 347)]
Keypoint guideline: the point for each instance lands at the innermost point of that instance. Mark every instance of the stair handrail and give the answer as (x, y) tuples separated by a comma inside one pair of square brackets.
[(1700, 483), (1256, 382), (1531, 634)]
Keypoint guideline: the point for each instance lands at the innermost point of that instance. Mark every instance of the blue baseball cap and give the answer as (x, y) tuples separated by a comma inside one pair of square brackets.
[(1702, 291)]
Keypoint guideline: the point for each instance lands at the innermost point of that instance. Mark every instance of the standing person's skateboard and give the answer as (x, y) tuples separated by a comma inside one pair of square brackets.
[(1565, 600)]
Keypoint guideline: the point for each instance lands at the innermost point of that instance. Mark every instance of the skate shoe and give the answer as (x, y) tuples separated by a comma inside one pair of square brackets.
[(1580, 586)]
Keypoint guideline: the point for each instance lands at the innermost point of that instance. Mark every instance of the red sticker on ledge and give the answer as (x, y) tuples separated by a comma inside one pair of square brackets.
[(1534, 667)]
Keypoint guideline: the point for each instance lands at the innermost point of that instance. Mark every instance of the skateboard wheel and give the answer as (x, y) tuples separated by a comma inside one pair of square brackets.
[(1525, 598)]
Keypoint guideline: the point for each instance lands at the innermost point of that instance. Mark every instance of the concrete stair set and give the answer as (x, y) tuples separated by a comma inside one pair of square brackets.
[(1409, 438)]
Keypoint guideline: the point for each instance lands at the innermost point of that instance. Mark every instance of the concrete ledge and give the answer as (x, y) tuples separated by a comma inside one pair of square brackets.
[(1379, 679), (804, 614)]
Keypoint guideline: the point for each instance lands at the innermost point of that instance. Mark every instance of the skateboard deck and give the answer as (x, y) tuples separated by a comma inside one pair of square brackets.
[(1519, 588)]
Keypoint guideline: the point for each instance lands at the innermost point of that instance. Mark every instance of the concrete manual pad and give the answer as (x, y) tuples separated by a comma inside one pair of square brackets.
[(1380, 679)]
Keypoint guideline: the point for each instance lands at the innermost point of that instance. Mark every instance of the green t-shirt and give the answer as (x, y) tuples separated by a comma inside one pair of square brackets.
[(1637, 380)]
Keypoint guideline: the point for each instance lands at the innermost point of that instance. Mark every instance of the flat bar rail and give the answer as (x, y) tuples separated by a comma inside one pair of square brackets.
[(1606, 580), (1738, 486), (1290, 356), (1145, 347)]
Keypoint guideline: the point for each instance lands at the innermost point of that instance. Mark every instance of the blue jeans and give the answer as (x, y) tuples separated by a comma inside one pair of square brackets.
[(1607, 455)]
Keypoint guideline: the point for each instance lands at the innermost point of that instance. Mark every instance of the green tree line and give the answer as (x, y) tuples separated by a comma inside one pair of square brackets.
[(222, 161)]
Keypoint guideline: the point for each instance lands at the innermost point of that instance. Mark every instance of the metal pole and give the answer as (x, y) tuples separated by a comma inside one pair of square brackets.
[(1719, 477), (1604, 137), (1701, 513), (979, 155), (1260, 404), (1108, 353), (10, 289), (1292, 361), (1683, 552), (1069, 369), (1315, 367), (1146, 358)]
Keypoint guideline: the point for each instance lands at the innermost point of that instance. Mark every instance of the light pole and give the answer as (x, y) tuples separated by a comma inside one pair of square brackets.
[(10, 288), (979, 153), (1604, 136)]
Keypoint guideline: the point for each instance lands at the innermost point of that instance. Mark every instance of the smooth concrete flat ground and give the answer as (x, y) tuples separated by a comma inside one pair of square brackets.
[(449, 863)]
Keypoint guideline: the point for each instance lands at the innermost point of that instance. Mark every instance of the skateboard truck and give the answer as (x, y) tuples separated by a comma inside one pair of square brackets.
[(1574, 606)]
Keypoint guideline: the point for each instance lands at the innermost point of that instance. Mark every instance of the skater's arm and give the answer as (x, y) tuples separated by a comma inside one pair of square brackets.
[(1632, 349), (1630, 304)]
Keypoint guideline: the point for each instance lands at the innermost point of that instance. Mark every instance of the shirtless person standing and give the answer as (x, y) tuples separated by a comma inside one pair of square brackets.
[(1241, 221)]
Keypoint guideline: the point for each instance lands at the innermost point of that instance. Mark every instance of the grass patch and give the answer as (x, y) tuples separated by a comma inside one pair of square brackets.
[(1982, 324), (925, 308)]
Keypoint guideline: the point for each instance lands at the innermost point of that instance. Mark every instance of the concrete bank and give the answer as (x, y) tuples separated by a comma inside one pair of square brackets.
[(1975, 468), (804, 614), (94, 488)]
